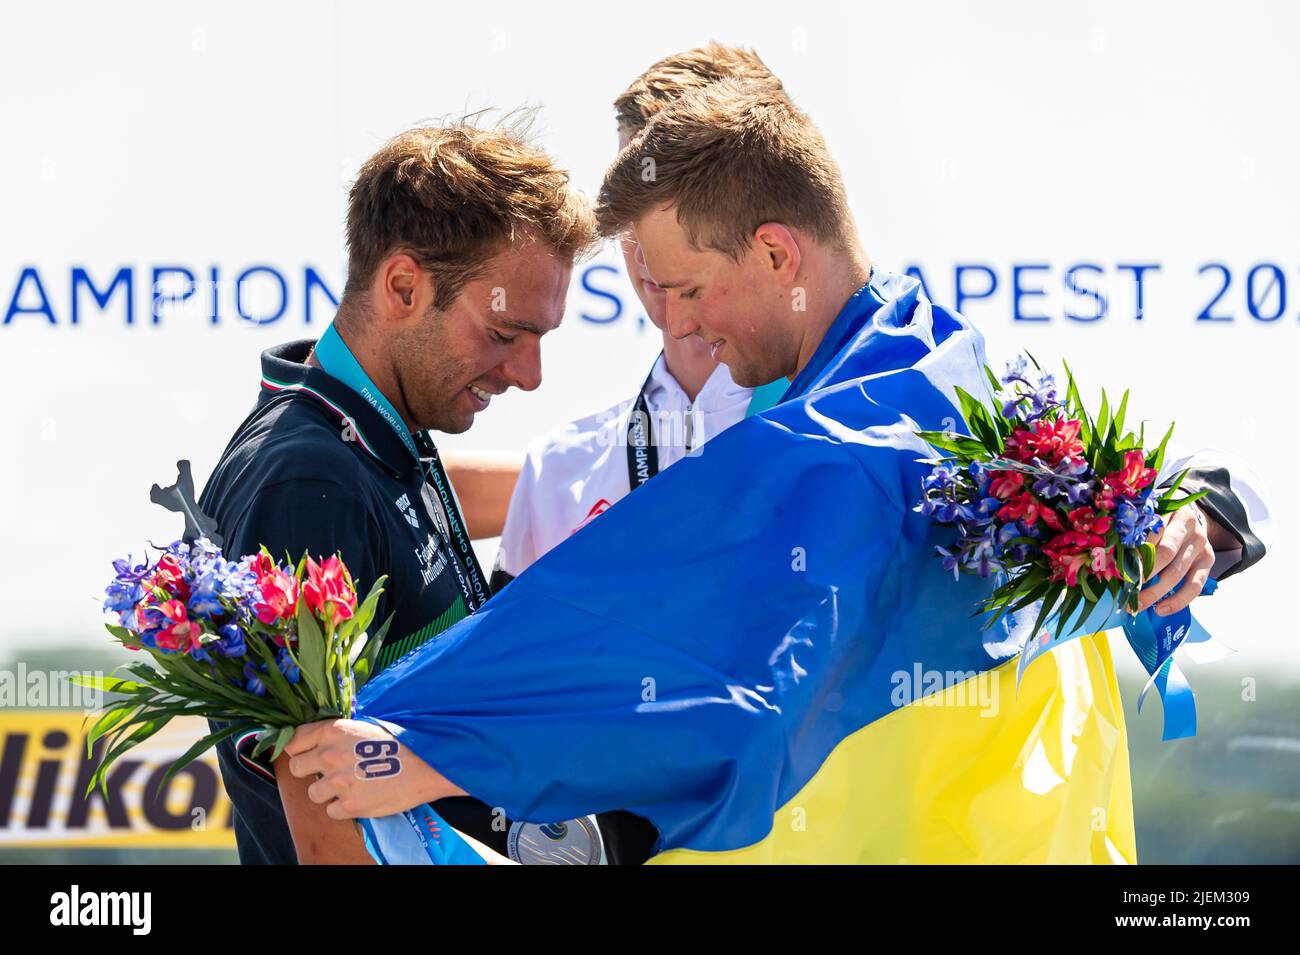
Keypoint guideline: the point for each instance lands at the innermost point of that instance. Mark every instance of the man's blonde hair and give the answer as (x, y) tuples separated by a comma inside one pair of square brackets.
[(729, 157), (454, 195), (673, 76)]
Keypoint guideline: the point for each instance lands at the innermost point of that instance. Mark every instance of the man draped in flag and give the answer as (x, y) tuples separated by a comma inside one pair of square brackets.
[(730, 668)]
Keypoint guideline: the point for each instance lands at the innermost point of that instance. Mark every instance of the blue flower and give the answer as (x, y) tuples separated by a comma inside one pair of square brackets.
[(255, 685), (123, 596), (230, 641), (1135, 519), (285, 661)]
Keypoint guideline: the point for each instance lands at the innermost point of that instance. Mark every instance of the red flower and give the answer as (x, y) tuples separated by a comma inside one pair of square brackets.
[(1089, 521), (1104, 500), (1130, 479), (182, 633), (1029, 509), (1049, 441), (277, 596), (1076, 551), (169, 575), (1006, 483), (1103, 563), (329, 591)]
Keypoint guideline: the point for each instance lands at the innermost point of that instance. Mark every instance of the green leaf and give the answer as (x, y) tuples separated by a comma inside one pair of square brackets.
[(311, 654), (1119, 415), (278, 686), (1184, 501), (281, 741), (107, 722), (964, 445), (1148, 552), (370, 654), (994, 383), (1158, 457), (198, 749)]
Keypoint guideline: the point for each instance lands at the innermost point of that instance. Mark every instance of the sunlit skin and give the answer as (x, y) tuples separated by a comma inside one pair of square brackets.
[(441, 368), (688, 359), (763, 314)]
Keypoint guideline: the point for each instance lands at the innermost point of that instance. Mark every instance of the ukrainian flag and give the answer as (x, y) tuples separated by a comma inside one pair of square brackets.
[(759, 653)]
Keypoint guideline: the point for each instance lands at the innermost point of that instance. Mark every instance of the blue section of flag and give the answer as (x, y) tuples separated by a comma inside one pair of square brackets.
[(696, 654)]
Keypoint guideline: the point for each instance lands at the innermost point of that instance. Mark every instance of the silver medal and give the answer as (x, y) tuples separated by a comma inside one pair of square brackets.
[(576, 842)]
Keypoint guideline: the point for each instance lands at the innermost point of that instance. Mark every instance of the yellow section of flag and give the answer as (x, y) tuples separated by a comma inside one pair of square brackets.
[(972, 776)]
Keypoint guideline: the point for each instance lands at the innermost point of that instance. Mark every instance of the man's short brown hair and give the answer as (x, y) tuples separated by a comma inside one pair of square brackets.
[(452, 196), (673, 76), (729, 156)]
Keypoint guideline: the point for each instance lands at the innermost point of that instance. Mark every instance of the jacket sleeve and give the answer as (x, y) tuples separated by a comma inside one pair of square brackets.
[(1236, 499)]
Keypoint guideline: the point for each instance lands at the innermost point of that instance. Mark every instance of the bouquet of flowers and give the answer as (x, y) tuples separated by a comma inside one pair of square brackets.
[(1059, 505), (250, 643)]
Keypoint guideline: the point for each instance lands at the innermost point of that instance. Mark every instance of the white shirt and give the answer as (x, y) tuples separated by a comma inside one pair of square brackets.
[(579, 471)]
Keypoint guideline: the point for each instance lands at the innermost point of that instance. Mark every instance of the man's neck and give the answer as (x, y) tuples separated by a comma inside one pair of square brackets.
[(377, 369), (689, 362), (841, 277)]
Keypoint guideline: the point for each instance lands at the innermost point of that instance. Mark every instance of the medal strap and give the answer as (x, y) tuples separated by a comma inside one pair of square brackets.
[(642, 452), (337, 360), (473, 582)]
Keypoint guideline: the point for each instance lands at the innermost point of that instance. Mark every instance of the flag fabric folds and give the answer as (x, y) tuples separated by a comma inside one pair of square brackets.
[(759, 653)]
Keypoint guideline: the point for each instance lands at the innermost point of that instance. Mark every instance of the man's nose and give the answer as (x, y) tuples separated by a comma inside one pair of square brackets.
[(523, 369), (679, 319)]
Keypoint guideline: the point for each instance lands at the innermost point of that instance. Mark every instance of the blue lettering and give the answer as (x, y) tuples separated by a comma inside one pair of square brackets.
[(81, 278), (314, 281), (16, 309), (1138, 272), (239, 294), (961, 293), (1099, 312), (1018, 292), (600, 293), (159, 298)]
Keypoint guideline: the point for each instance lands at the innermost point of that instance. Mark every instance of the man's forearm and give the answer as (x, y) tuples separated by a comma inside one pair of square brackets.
[(318, 839)]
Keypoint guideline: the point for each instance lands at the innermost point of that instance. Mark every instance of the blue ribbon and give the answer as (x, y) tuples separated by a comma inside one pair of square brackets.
[(338, 362), (1154, 639), (389, 842)]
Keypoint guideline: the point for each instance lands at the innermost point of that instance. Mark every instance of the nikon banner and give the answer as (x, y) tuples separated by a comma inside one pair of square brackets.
[(44, 771)]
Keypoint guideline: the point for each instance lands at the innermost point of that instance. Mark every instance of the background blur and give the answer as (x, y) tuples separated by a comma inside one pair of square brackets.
[(173, 186)]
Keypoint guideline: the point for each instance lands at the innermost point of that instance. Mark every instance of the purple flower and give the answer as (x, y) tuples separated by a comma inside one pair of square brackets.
[(1066, 479), (951, 561), (128, 574)]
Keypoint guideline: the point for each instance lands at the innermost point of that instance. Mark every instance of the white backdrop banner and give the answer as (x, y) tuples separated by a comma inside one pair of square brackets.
[(1115, 186)]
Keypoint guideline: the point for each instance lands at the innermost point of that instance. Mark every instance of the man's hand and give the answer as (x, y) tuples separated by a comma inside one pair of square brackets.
[(1184, 556), (361, 770)]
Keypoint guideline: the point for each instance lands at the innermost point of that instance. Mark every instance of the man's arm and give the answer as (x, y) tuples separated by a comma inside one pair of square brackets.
[(318, 838), (484, 481)]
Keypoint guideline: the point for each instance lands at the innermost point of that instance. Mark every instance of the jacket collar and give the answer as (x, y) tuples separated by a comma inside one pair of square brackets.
[(285, 370)]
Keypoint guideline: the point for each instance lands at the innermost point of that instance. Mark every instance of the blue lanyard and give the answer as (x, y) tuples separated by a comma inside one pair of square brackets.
[(338, 362)]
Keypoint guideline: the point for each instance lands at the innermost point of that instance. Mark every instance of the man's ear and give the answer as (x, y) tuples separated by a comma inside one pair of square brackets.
[(779, 247), (402, 287)]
